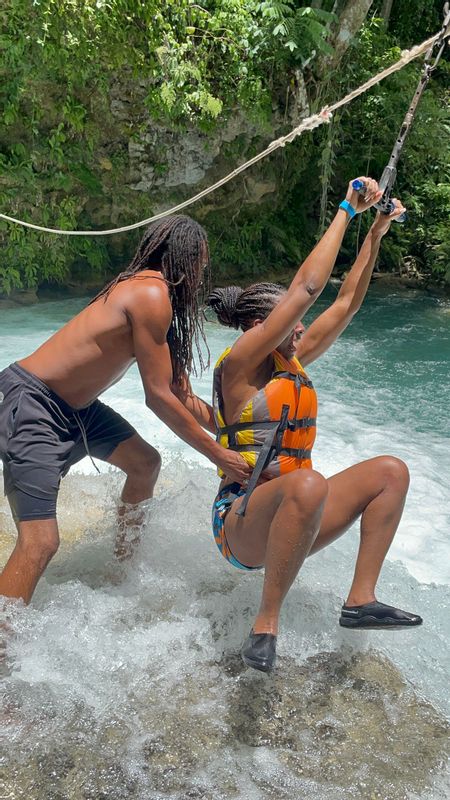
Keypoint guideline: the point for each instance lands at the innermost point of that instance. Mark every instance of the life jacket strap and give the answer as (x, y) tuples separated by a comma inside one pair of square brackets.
[(284, 422), (285, 451), (298, 378), (264, 458), (245, 426), (272, 444), (303, 422), (246, 448), (294, 452), (231, 430)]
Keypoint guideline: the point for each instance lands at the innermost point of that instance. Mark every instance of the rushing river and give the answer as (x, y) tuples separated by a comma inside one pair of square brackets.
[(123, 682)]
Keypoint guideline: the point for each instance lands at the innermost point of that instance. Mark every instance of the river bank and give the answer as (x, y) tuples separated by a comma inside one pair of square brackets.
[(384, 281)]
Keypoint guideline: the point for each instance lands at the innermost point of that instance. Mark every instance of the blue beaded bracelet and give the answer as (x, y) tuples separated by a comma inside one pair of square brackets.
[(346, 206)]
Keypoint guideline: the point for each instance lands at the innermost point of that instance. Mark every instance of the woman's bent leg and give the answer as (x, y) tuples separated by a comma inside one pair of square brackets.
[(294, 528), (375, 490), (281, 522)]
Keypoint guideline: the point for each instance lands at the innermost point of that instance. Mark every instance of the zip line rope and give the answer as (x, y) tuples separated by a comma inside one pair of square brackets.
[(307, 124)]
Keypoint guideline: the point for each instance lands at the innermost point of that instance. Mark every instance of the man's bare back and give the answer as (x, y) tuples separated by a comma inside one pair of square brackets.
[(95, 348)]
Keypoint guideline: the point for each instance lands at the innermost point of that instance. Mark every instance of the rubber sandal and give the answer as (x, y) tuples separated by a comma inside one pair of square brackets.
[(377, 615), (259, 651)]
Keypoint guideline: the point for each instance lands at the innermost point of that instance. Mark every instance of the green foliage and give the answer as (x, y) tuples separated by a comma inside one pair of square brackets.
[(60, 60), (367, 131), (300, 30), (64, 158), (412, 21), (254, 246)]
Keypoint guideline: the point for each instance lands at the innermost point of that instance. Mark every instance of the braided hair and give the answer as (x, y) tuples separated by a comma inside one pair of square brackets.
[(237, 308), (178, 247)]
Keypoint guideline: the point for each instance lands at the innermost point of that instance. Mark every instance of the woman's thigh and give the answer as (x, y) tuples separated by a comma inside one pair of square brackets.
[(351, 491), (247, 536)]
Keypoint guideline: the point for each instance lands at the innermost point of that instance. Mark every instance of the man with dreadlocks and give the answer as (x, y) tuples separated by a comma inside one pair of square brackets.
[(50, 416)]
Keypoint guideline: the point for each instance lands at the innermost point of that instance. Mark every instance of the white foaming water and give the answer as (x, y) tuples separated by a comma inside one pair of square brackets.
[(123, 681)]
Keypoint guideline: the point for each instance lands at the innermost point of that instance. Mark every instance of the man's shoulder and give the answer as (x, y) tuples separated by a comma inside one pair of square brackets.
[(145, 300), (147, 288), (145, 280)]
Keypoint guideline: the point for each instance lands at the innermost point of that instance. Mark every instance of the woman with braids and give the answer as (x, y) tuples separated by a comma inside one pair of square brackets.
[(50, 416), (265, 407)]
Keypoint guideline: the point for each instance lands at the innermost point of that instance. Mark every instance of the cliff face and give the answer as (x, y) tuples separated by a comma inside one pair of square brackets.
[(164, 165), (136, 167)]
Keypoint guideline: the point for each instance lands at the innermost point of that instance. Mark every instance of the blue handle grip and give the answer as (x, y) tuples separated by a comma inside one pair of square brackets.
[(357, 184)]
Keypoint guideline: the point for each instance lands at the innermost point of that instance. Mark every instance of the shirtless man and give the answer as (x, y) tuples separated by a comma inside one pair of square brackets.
[(50, 416)]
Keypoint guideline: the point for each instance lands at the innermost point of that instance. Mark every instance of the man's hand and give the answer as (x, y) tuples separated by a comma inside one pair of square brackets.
[(234, 466), (362, 200), (382, 222)]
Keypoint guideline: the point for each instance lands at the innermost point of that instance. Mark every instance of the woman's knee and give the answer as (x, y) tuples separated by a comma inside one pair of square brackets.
[(306, 487), (394, 472)]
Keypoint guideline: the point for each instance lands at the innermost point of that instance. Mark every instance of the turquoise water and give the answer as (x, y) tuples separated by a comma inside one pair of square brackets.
[(124, 681)]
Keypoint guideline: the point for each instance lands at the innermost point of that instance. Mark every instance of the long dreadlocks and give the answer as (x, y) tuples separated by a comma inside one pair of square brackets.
[(178, 246), (237, 308)]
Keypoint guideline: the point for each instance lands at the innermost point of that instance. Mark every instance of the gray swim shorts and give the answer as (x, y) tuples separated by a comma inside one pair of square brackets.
[(41, 437)]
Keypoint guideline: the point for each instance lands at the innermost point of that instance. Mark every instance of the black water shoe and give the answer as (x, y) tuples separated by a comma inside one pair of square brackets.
[(377, 615), (259, 651)]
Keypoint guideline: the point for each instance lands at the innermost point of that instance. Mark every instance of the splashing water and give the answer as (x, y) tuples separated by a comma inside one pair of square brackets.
[(123, 680)]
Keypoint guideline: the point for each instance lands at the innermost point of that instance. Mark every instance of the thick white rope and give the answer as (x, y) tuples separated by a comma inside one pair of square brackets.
[(308, 124)]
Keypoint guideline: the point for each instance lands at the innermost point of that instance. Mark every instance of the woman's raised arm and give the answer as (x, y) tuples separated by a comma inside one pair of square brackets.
[(329, 325), (258, 342)]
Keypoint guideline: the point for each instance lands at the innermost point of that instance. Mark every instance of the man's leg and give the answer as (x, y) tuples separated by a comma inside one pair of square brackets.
[(141, 464), (37, 543)]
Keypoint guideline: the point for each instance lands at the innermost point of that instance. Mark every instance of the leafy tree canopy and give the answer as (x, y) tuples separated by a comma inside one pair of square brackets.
[(191, 64)]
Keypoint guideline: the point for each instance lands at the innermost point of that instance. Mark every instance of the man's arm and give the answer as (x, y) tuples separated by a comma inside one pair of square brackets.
[(200, 409), (332, 322), (150, 313)]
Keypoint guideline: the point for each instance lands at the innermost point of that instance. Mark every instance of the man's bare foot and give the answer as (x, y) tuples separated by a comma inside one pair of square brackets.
[(125, 546), (131, 521)]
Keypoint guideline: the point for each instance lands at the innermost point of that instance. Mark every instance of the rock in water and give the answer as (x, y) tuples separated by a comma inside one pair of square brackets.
[(348, 723)]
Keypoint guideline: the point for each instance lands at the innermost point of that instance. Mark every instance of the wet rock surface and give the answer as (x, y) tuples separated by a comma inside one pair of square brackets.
[(335, 726), (128, 685), (344, 722)]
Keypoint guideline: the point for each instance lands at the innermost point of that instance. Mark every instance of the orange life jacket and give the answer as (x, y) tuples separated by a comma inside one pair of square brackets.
[(276, 430)]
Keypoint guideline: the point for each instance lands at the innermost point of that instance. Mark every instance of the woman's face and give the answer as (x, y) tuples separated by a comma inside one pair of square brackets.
[(288, 346)]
